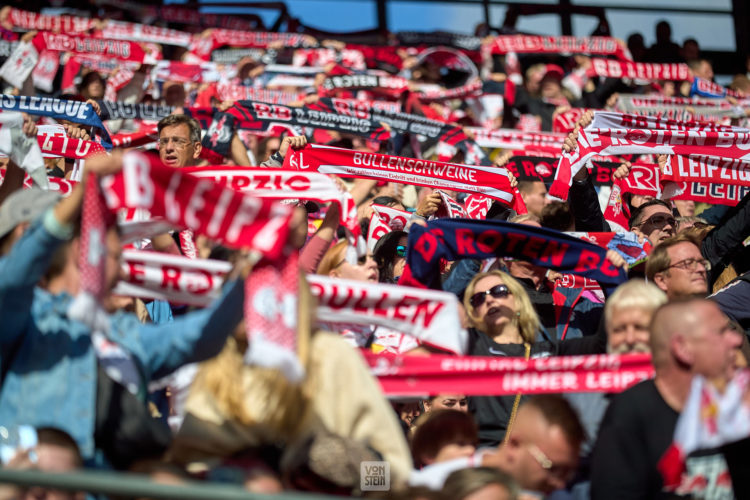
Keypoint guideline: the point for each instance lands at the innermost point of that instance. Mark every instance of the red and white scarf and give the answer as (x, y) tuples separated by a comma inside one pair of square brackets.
[(501, 376), (492, 182), (384, 220), (61, 145), (537, 44), (283, 185), (518, 140), (28, 21), (235, 219), (612, 68), (115, 49), (683, 139), (121, 30), (235, 92), (428, 315)]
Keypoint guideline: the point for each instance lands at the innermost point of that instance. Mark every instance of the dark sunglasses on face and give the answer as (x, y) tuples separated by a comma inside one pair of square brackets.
[(497, 291), (401, 251), (658, 221)]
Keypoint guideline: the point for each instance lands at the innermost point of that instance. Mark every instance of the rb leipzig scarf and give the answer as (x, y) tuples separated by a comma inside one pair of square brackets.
[(536, 44), (492, 182), (702, 139), (222, 214), (418, 376), (60, 145), (19, 65), (146, 135), (706, 88), (611, 68), (452, 239), (121, 30), (233, 92), (59, 109), (384, 220), (283, 185), (112, 49), (428, 315), (389, 85)]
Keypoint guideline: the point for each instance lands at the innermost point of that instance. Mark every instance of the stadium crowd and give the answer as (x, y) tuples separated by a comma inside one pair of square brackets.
[(404, 265)]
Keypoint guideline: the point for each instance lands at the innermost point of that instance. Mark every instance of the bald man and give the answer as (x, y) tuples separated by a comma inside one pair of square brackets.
[(687, 338)]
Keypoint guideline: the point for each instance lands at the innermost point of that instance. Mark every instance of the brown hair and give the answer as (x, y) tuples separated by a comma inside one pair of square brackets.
[(659, 260), (441, 428), (192, 124), (332, 258), (464, 482)]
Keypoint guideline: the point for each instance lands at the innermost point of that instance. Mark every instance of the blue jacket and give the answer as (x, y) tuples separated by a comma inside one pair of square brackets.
[(47, 360)]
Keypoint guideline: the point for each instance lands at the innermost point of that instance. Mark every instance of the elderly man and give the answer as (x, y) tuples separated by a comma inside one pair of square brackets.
[(687, 338)]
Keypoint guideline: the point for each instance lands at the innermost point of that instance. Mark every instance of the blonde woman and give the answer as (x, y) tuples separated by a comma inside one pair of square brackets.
[(503, 323)]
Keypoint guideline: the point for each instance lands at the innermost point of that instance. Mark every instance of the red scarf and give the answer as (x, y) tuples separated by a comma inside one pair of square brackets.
[(502, 376), (537, 44), (41, 22), (222, 214), (611, 68), (283, 185), (115, 49), (515, 139), (60, 145), (490, 181)]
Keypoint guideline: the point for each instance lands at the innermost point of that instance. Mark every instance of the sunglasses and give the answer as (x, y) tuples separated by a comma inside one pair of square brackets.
[(401, 251), (497, 291), (658, 221)]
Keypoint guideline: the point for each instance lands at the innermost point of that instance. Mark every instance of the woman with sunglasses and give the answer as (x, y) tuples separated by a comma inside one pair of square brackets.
[(504, 323), (390, 255)]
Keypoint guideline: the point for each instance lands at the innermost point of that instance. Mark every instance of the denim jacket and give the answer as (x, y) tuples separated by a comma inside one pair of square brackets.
[(48, 361)]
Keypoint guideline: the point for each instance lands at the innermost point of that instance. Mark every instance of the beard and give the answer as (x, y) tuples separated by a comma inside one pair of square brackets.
[(625, 348)]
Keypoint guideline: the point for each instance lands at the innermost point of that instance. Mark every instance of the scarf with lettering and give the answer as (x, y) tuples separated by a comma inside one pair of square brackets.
[(537, 166), (28, 21), (452, 239), (59, 109), (283, 185), (428, 315), (186, 15), (684, 139), (450, 208), (254, 115), (121, 30), (517, 140), (61, 145), (611, 68), (124, 111), (679, 108), (471, 89), (222, 214), (235, 92), (392, 86), (537, 44), (233, 56), (178, 71), (504, 376), (202, 46), (113, 49), (706, 88), (400, 123), (490, 181)]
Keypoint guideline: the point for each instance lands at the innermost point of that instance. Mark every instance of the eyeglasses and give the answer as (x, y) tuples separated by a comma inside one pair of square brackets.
[(179, 142), (560, 471), (692, 264), (658, 221), (401, 251), (497, 291)]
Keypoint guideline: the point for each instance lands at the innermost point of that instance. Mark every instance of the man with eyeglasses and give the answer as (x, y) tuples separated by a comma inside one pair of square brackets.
[(678, 268), (179, 141), (687, 338)]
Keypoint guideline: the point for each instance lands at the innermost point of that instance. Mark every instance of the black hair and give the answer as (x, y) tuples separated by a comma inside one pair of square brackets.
[(637, 213), (385, 253)]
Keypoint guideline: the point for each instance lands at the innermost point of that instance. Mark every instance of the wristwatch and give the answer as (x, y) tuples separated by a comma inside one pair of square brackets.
[(277, 158)]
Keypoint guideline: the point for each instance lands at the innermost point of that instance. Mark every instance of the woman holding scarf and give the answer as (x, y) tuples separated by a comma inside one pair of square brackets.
[(504, 323)]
